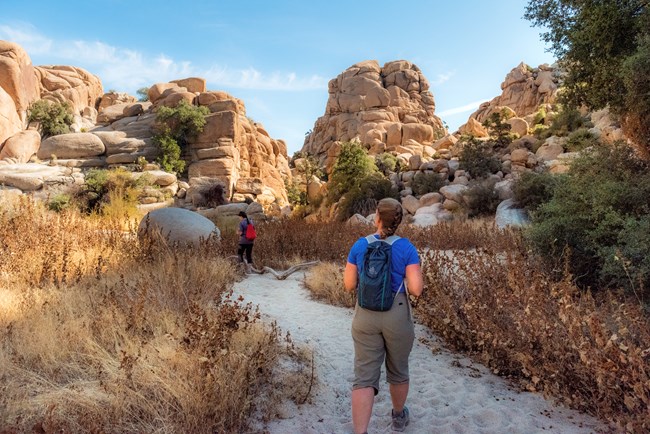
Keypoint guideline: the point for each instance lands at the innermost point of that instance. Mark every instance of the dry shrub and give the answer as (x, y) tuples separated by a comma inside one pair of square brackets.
[(101, 334), (460, 235), (279, 243), (325, 282), (590, 351)]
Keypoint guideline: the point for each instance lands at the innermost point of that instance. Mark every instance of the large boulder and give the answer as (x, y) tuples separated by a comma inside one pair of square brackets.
[(73, 145), (31, 176), (192, 84), (21, 146), (177, 226), (509, 215), (454, 192), (112, 98), (10, 122), (17, 78), (70, 84), (549, 151)]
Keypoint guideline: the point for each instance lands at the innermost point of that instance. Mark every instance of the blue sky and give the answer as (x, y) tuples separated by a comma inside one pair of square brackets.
[(279, 55)]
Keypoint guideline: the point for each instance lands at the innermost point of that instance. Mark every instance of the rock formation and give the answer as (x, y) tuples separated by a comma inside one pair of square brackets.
[(70, 84), (523, 90), (236, 151), (21, 84), (387, 109)]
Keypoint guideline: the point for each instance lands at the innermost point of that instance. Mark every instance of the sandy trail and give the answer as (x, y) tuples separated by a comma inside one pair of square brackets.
[(449, 394)]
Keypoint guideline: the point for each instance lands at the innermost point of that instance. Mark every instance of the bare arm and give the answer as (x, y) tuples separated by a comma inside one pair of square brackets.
[(350, 277), (414, 279)]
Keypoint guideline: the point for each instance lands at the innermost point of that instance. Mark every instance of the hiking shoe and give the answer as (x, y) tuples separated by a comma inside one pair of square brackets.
[(400, 421)]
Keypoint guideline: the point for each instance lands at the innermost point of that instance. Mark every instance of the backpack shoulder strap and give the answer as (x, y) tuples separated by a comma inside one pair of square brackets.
[(390, 240), (371, 239)]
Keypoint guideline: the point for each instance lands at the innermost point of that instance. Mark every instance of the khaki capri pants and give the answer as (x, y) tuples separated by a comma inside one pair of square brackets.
[(382, 335)]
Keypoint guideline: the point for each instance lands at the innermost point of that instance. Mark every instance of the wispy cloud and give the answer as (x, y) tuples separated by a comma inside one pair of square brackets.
[(462, 109), (128, 69), (443, 78), (251, 78), (27, 36)]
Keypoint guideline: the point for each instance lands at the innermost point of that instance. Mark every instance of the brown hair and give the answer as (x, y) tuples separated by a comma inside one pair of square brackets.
[(390, 215)]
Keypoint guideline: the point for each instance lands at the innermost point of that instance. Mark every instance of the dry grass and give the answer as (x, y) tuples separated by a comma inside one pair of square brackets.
[(99, 333), (325, 282), (591, 351)]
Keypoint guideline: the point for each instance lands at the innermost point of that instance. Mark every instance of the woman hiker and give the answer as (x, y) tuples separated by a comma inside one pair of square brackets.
[(245, 244), (389, 334)]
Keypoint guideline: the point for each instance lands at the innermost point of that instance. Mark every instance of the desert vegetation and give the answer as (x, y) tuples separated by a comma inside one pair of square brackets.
[(53, 117), (103, 333), (488, 294), (174, 127)]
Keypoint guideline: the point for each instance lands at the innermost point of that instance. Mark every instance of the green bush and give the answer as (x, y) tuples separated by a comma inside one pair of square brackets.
[(580, 139), (539, 117), (55, 118), (105, 186), (352, 166), (424, 183), (595, 212), (362, 198), (532, 189), (628, 262), (295, 194), (478, 158), (170, 159), (499, 129), (480, 198), (386, 163), (175, 126), (636, 75), (59, 202), (566, 121)]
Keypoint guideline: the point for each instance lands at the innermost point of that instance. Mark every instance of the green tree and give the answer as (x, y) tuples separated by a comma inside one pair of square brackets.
[(636, 69), (603, 45), (478, 158), (143, 94), (55, 118), (352, 165), (498, 129)]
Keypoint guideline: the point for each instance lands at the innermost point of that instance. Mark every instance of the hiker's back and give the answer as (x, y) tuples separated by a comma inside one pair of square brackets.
[(375, 290)]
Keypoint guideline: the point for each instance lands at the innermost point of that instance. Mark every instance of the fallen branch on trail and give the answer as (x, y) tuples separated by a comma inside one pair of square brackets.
[(280, 275), (284, 274)]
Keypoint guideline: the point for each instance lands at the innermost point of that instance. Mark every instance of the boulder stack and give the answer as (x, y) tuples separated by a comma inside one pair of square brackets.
[(388, 109)]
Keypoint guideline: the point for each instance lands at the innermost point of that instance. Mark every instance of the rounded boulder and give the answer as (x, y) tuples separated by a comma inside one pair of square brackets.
[(177, 226)]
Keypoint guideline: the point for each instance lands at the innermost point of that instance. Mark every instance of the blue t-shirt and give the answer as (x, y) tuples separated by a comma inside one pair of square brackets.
[(403, 253)]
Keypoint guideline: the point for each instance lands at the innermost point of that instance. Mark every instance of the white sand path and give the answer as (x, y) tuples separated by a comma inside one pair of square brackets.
[(449, 394)]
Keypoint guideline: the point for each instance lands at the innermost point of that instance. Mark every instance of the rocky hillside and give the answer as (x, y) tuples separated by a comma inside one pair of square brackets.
[(388, 109), (21, 84), (113, 129)]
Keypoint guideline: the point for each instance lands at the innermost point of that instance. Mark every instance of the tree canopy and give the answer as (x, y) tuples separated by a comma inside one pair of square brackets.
[(602, 44)]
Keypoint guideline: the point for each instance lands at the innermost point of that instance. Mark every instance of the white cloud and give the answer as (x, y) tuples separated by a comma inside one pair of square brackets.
[(26, 36), (462, 109), (443, 78), (127, 69)]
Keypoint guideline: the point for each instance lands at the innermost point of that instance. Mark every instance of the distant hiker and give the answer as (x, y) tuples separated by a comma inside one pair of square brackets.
[(383, 268), (247, 235)]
